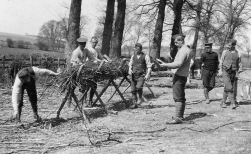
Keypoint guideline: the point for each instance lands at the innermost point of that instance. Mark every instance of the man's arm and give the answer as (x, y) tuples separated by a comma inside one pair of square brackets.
[(100, 56), (178, 61), (149, 67), (43, 71), (239, 67), (130, 65)]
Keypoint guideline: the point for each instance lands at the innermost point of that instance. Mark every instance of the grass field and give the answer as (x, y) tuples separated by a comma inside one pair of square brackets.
[(6, 51)]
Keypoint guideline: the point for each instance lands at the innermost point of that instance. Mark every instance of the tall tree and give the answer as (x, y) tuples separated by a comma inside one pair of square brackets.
[(119, 28), (73, 28), (107, 33), (159, 29), (197, 26), (177, 8)]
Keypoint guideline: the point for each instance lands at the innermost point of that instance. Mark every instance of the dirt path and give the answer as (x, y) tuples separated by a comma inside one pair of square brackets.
[(143, 130)]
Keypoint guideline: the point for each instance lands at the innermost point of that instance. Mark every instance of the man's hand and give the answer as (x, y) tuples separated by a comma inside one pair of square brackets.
[(147, 77)]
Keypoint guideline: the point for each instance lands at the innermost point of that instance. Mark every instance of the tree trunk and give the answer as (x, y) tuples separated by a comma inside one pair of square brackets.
[(107, 33), (119, 29), (177, 8), (73, 30), (197, 30), (159, 29)]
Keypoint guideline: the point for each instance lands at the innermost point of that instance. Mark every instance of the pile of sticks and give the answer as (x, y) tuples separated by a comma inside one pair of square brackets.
[(87, 74)]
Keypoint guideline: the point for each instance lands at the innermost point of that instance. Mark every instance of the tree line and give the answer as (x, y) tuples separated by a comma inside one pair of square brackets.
[(127, 22)]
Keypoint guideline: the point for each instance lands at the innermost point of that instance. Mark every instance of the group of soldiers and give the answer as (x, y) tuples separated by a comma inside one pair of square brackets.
[(140, 68)]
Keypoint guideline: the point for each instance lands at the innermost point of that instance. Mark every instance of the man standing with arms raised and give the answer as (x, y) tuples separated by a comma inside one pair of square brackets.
[(210, 64), (181, 63)]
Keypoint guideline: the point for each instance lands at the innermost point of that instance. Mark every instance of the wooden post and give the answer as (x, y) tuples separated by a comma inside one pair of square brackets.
[(31, 61), (63, 102), (40, 62), (3, 61), (58, 62), (46, 62)]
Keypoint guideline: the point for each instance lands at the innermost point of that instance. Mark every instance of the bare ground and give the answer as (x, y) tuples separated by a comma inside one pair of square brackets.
[(208, 128)]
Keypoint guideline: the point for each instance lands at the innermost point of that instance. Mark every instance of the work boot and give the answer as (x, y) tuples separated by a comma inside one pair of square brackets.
[(183, 110), (37, 117), (18, 115), (231, 96), (223, 102), (206, 96), (175, 120), (140, 94)]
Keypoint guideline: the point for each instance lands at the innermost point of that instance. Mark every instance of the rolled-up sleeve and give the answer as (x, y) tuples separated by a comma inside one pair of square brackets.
[(148, 61), (131, 62)]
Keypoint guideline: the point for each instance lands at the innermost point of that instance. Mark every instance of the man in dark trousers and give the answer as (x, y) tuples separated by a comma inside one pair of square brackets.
[(181, 65), (229, 67), (140, 68), (210, 62), (25, 79)]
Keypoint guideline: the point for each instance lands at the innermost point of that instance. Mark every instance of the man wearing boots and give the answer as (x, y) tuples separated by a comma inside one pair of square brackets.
[(25, 79), (229, 66), (210, 64), (181, 63), (140, 68)]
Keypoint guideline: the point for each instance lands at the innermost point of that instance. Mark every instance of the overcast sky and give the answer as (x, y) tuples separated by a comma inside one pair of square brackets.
[(27, 16)]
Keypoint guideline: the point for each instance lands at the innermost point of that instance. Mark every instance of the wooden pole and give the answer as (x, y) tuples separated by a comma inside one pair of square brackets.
[(121, 95), (31, 61), (63, 103), (3, 61), (116, 90)]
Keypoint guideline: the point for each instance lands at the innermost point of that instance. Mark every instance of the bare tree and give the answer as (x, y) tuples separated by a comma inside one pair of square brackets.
[(73, 28), (177, 8), (50, 34), (119, 28), (107, 33), (159, 29)]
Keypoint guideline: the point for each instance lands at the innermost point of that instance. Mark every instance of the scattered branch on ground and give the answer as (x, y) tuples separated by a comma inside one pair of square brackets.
[(216, 128)]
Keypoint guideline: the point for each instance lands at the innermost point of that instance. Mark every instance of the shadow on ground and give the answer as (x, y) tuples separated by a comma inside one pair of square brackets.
[(195, 115)]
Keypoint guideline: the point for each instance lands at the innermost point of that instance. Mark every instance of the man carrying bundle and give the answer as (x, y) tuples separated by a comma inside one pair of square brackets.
[(140, 68), (181, 63), (210, 64), (229, 66), (25, 79)]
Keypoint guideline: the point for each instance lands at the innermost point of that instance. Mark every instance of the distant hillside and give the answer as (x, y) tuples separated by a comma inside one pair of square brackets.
[(4, 36)]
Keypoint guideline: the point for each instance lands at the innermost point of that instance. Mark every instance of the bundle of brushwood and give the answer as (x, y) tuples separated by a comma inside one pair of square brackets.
[(87, 74)]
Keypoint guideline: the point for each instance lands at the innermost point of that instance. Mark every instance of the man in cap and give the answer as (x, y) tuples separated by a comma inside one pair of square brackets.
[(229, 66), (140, 68), (181, 65), (210, 62), (79, 55)]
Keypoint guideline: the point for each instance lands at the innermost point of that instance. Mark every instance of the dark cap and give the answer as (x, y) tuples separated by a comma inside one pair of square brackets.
[(82, 40), (138, 45), (208, 44), (179, 35), (232, 41)]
